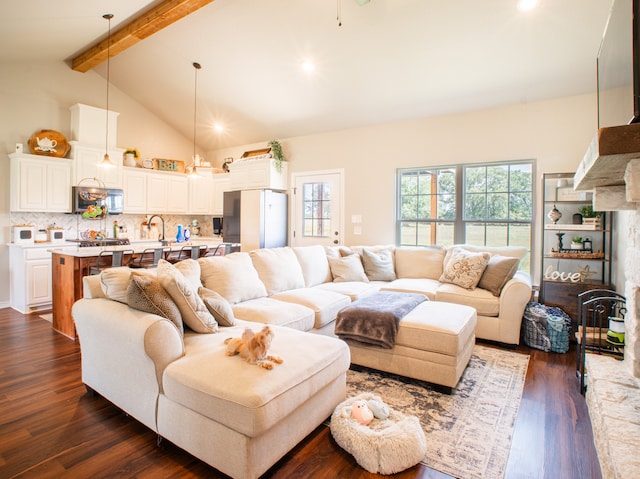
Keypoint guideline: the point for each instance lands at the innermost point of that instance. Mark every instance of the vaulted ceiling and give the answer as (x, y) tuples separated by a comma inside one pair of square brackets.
[(390, 60)]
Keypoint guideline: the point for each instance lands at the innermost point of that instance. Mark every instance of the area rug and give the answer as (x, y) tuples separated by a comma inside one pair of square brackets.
[(469, 432)]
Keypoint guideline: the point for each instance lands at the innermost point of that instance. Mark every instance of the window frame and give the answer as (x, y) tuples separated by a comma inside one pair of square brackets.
[(460, 221)]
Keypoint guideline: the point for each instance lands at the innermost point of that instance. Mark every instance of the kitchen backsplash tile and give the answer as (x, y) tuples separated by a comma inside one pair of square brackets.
[(75, 224)]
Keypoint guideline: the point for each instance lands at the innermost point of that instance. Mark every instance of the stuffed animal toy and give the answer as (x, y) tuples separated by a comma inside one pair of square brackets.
[(379, 409), (359, 410)]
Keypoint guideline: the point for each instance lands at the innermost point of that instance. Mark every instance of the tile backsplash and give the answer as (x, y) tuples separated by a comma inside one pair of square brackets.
[(74, 225)]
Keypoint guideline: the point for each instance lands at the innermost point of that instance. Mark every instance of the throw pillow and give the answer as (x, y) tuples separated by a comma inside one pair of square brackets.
[(193, 310), (190, 269), (278, 269), (145, 293), (378, 266), (465, 269), (233, 276), (499, 270), (115, 281), (217, 306), (347, 268)]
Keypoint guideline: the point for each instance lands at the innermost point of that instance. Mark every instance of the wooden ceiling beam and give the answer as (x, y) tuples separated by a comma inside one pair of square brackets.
[(168, 12)]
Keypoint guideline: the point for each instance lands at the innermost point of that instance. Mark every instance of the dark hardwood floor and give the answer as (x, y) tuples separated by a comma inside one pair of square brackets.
[(51, 428)]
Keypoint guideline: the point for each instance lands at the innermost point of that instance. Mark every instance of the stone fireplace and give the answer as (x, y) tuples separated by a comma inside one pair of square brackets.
[(613, 386)]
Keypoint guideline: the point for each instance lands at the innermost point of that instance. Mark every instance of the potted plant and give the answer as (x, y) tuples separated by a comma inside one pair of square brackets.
[(278, 155), (588, 215), (576, 243), (130, 156)]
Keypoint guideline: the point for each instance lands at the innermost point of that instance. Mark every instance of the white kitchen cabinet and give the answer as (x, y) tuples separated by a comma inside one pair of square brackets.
[(201, 192), (86, 160), (134, 185), (221, 183), (41, 184), (167, 193), (30, 278), (258, 174)]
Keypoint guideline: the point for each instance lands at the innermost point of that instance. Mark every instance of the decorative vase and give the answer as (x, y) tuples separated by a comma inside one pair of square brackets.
[(554, 215), (187, 233), (129, 160), (180, 235)]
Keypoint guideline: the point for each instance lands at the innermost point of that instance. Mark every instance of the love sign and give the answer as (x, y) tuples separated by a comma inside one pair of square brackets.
[(552, 275)]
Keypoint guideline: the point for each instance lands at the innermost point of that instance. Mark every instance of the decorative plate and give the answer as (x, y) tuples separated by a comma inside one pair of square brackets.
[(49, 143)]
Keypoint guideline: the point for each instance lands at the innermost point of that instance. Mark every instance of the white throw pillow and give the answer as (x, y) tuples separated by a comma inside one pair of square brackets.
[(314, 264), (193, 310), (278, 269), (347, 268), (190, 269), (233, 276), (465, 269)]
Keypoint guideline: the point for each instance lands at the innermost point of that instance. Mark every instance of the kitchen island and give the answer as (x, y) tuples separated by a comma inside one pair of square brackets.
[(70, 264)]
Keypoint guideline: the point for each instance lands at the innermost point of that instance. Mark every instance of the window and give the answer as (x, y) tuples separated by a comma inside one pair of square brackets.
[(317, 209), (484, 204)]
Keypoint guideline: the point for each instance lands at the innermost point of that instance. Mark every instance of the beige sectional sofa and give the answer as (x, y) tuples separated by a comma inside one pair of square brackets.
[(316, 282), (153, 341)]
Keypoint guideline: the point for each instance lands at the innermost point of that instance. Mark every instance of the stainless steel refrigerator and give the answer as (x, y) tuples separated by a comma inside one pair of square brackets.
[(255, 219)]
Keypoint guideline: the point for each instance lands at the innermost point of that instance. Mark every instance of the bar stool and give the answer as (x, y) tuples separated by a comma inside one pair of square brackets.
[(148, 258), (186, 252), (109, 259)]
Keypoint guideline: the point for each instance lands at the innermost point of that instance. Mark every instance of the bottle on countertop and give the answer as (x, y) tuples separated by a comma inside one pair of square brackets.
[(187, 233), (116, 229), (180, 235)]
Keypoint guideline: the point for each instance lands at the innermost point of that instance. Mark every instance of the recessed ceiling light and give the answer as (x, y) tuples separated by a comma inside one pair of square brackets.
[(218, 127), (526, 5), (308, 66)]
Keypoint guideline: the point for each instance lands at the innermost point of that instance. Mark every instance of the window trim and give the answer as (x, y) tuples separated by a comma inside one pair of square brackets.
[(459, 221)]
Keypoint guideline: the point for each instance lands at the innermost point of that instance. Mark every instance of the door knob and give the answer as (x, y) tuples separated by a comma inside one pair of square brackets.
[(335, 241)]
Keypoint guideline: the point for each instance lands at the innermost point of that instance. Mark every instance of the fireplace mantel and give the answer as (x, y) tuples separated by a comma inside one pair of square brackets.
[(606, 165)]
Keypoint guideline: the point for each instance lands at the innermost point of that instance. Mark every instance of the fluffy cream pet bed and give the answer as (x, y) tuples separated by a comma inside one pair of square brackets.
[(385, 446)]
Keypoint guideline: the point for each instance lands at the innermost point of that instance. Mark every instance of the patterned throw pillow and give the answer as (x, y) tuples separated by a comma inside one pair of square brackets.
[(465, 269), (146, 294), (193, 310), (217, 306)]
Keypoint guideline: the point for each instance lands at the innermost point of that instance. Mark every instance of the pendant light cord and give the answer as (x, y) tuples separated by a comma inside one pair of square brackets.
[(197, 67), (108, 17)]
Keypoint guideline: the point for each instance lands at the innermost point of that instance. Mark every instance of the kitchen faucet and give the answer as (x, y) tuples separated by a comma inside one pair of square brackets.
[(163, 241)]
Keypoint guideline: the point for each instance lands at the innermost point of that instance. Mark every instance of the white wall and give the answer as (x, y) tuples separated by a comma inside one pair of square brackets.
[(555, 133), (38, 96)]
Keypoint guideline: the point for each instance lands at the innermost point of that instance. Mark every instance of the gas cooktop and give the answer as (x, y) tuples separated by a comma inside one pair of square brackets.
[(103, 242)]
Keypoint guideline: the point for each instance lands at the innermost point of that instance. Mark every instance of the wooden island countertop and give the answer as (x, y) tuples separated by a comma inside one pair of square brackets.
[(70, 264)]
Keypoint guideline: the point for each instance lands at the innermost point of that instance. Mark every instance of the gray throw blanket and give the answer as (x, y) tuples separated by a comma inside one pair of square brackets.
[(375, 319)]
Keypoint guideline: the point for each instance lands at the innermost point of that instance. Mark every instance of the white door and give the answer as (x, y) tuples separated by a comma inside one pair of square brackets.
[(317, 208)]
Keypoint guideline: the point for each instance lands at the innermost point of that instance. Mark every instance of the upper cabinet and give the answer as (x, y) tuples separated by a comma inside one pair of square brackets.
[(258, 174), (221, 183), (167, 193), (86, 160), (41, 184), (201, 192)]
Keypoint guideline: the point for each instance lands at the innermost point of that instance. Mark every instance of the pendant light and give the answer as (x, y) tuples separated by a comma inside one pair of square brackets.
[(106, 161), (196, 66)]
